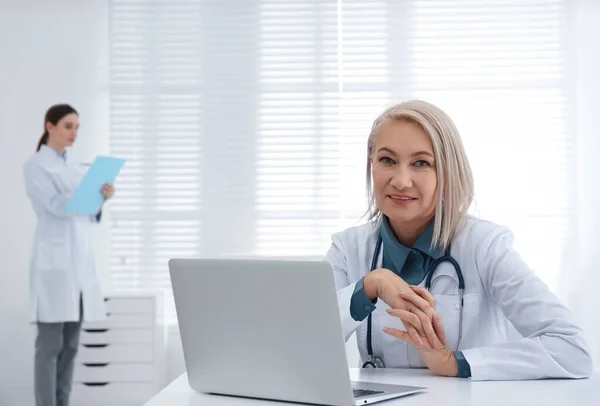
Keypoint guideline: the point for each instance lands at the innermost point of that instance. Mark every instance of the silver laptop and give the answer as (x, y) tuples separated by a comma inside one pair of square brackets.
[(267, 329)]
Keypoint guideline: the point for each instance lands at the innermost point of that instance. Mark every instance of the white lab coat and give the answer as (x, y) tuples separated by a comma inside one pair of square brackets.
[(499, 288), (62, 263)]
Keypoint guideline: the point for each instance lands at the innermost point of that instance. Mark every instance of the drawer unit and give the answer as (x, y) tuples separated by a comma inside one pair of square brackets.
[(117, 336), (113, 372), (121, 353), (127, 305), (120, 359), (124, 320)]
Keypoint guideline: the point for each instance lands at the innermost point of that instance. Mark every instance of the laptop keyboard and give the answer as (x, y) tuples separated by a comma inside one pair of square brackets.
[(365, 392)]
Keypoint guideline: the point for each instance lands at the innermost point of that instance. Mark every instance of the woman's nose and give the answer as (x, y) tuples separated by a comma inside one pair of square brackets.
[(402, 179)]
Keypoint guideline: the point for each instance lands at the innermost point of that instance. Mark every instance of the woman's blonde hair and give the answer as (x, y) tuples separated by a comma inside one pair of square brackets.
[(455, 180)]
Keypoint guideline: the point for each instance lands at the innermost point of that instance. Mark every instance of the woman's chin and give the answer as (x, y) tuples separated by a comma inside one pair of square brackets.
[(398, 216), (402, 213)]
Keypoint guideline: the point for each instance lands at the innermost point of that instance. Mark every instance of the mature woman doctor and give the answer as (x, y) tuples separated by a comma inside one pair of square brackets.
[(419, 236), (64, 288)]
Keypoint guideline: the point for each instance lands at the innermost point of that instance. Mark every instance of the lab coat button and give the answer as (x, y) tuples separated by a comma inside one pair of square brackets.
[(457, 306)]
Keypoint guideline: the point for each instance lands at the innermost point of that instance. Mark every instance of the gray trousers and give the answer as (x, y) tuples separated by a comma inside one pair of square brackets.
[(56, 346)]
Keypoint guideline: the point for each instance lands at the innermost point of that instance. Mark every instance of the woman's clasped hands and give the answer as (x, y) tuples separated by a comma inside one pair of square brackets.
[(416, 308)]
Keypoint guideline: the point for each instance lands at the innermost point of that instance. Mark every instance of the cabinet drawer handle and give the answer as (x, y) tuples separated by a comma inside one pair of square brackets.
[(95, 345), (96, 365), (95, 383), (95, 330)]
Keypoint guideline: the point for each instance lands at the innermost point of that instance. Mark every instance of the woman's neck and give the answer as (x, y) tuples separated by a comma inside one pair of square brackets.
[(407, 233), (58, 148)]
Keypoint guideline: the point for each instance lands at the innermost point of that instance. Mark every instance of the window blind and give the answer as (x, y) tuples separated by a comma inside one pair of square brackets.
[(322, 72), (156, 105), (499, 68), (245, 122)]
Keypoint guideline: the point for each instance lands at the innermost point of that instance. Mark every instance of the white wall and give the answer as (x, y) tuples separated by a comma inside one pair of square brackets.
[(50, 52)]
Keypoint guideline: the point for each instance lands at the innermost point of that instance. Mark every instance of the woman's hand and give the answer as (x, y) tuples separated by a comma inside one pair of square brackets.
[(420, 333), (399, 295), (107, 191)]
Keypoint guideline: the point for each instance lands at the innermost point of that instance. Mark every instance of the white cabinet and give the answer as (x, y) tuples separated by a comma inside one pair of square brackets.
[(120, 360)]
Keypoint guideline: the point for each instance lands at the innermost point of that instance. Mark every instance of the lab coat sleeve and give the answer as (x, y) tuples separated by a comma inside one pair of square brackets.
[(553, 345), (336, 257), (41, 190)]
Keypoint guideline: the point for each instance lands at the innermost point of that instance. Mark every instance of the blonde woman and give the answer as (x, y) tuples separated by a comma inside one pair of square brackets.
[(423, 284)]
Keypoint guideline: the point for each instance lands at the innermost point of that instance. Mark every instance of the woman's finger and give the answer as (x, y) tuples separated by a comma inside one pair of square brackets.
[(438, 326), (425, 294), (406, 337), (402, 335), (423, 305), (406, 317), (414, 326), (399, 334), (436, 321), (414, 335), (415, 299), (435, 317), (428, 329)]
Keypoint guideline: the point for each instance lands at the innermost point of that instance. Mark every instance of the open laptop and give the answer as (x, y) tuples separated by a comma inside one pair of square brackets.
[(267, 329)]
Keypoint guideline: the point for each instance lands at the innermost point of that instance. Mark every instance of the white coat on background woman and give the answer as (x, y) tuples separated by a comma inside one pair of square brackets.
[(64, 288), (421, 187)]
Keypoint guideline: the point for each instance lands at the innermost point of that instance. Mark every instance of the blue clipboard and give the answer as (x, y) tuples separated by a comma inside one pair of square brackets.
[(87, 198)]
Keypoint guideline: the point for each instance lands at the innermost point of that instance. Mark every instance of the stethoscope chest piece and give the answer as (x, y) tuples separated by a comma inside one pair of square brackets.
[(373, 362)]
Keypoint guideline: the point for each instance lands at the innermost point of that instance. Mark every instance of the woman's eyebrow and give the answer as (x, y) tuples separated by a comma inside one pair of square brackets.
[(422, 153)]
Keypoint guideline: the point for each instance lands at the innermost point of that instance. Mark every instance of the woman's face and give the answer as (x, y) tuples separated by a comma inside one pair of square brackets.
[(64, 133), (404, 174)]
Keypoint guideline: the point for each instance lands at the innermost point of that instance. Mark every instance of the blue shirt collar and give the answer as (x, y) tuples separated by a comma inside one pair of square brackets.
[(399, 252)]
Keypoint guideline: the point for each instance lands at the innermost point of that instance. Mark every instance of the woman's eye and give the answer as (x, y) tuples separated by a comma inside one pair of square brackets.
[(421, 163), (386, 160)]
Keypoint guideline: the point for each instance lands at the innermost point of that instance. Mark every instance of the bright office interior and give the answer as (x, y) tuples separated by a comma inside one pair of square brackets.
[(244, 123)]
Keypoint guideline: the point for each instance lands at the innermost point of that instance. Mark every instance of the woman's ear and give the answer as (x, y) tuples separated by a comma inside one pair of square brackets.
[(49, 126)]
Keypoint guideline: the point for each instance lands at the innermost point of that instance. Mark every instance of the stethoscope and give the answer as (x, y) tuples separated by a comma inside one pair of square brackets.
[(376, 362)]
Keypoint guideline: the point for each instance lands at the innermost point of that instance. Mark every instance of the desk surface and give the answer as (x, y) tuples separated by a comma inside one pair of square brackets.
[(441, 391)]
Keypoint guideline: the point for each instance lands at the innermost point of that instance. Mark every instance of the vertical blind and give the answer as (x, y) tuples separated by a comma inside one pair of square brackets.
[(245, 122)]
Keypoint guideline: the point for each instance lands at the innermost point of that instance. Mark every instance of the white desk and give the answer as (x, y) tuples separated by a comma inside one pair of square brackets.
[(441, 391)]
